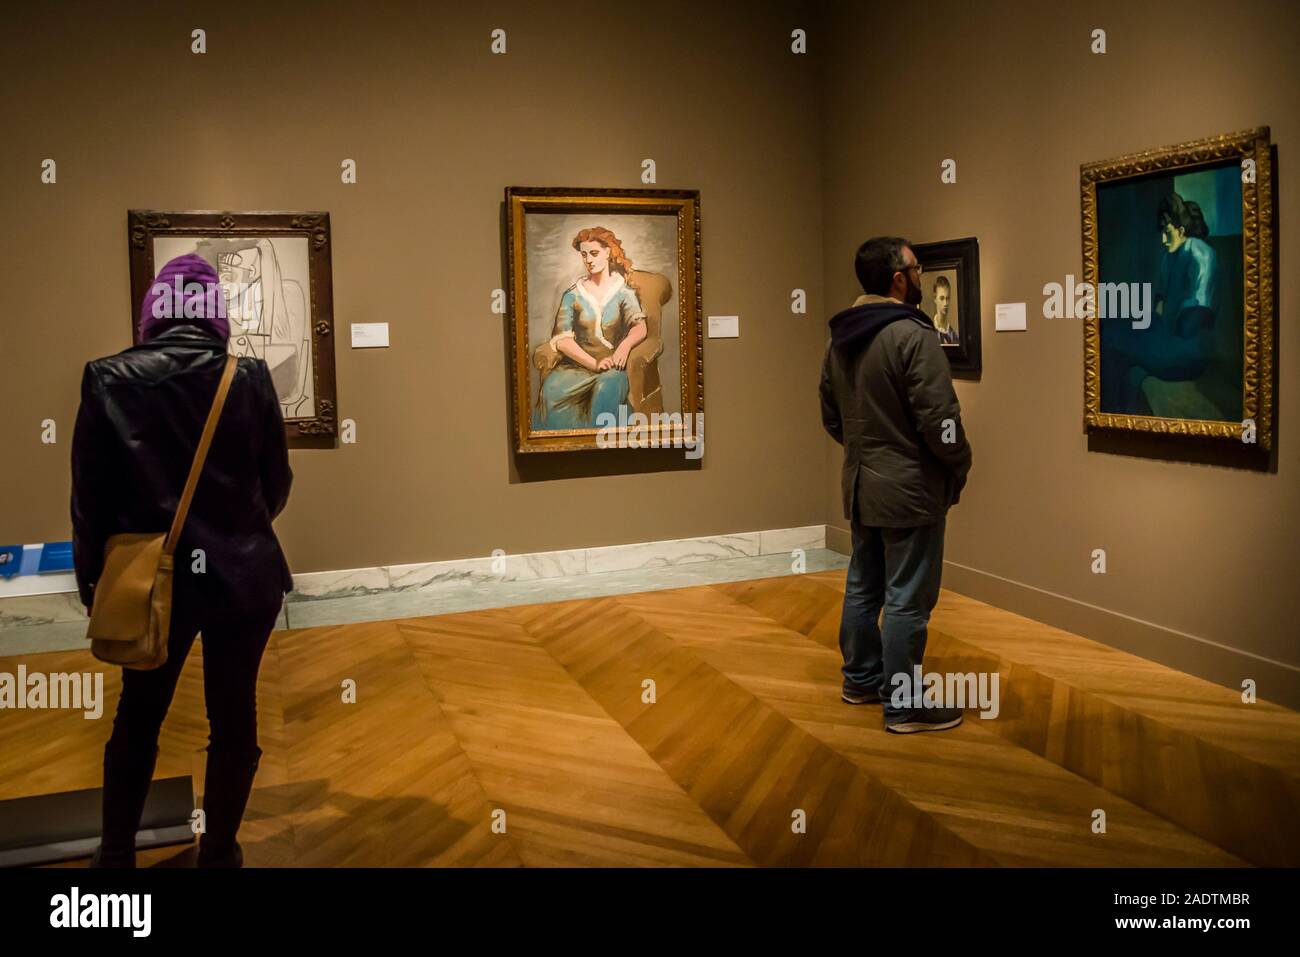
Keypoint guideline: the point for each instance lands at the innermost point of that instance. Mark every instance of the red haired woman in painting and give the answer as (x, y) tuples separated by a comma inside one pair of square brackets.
[(598, 323)]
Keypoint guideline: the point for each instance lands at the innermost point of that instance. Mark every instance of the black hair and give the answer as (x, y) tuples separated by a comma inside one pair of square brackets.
[(942, 281), (1183, 214), (877, 261)]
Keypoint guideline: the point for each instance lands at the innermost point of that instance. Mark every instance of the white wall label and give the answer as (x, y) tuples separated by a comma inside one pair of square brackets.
[(724, 327), (369, 335), (1010, 317)]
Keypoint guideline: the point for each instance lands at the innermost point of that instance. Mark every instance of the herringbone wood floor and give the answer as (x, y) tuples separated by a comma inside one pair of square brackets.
[(537, 716)]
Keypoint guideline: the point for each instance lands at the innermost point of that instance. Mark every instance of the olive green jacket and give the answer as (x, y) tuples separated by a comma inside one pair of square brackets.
[(887, 397)]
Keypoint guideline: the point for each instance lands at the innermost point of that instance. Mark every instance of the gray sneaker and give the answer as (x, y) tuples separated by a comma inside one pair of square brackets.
[(851, 694), (924, 719)]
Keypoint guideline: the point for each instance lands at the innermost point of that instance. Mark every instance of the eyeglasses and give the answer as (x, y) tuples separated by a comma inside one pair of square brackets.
[(917, 266)]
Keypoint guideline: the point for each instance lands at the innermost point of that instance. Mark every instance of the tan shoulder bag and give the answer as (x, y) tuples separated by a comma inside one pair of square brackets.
[(132, 610)]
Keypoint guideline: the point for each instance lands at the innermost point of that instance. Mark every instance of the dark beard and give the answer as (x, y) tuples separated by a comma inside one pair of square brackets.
[(913, 294)]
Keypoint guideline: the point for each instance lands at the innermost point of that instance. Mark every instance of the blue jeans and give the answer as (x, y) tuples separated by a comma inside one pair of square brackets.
[(897, 570)]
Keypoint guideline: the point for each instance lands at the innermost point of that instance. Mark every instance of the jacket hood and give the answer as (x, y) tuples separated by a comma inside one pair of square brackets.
[(857, 325)]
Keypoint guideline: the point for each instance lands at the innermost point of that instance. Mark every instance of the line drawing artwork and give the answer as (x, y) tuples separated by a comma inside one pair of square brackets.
[(263, 283)]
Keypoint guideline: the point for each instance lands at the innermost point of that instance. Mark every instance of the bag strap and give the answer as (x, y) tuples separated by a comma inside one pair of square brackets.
[(200, 455)]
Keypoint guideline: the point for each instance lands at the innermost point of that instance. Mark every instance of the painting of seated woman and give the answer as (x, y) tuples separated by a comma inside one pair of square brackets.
[(599, 322), (1184, 359), (601, 292), (1183, 316)]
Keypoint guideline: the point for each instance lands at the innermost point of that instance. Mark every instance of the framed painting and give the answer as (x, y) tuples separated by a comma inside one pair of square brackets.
[(275, 273), (950, 295), (1178, 257), (605, 317)]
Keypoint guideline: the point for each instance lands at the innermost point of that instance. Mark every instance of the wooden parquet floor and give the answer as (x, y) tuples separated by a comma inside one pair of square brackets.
[(526, 737)]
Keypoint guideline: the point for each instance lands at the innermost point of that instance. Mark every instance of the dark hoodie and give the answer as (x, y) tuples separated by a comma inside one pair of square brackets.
[(887, 397), (855, 326)]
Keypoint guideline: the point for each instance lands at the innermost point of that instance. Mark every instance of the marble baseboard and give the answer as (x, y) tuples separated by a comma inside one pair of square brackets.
[(538, 566), (839, 539), (65, 608), (39, 639), (499, 568), (27, 610), (458, 597), (682, 551), (312, 586), (45, 583), (787, 540), (22, 634)]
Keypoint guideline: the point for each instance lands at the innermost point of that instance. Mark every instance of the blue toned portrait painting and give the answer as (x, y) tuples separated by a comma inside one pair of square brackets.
[(1174, 241)]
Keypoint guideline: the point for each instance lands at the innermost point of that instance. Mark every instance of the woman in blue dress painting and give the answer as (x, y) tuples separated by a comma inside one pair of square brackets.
[(598, 324), (1179, 342)]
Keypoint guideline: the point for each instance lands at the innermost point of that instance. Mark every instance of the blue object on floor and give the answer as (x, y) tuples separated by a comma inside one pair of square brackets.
[(31, 562), (11, 557), (56, 557), (49, 558)]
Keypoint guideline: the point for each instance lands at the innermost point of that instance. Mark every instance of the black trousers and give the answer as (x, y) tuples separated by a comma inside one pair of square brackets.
[(232, 653)]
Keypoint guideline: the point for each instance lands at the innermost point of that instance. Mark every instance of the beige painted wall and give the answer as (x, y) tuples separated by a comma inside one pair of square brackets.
[(438, 128), (797, 160), (1207, 556)]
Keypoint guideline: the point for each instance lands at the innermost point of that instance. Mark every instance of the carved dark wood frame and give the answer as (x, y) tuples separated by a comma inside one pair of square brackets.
[(964, 356), (143, 225)]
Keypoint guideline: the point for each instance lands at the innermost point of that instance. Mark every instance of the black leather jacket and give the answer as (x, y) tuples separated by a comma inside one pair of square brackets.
[(142, 412)]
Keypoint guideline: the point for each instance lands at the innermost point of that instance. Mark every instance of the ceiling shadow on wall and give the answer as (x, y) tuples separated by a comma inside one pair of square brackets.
[(549, 466), (553, 466), (1178, 448), (313, 442)]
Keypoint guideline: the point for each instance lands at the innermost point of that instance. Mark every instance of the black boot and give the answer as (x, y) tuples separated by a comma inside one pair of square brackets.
[(229, 780), (126, 786)]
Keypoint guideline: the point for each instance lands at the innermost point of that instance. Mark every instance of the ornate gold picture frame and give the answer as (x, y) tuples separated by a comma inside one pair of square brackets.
[(606, 324), (1191, 352)]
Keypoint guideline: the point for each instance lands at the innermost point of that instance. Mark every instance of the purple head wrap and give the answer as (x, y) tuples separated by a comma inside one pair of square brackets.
[(187, 291)]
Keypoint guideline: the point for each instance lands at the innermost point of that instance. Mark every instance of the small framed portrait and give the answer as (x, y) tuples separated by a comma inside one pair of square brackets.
[(277, 287), (950, 296), (1178, 256), (605, 316)]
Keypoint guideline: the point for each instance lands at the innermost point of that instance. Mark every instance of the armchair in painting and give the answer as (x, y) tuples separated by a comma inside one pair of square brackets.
[(568, 405)]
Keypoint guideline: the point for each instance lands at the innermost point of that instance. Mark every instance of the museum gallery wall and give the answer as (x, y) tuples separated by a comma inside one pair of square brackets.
[(1200, 547), (419, 242), (484, 293)]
